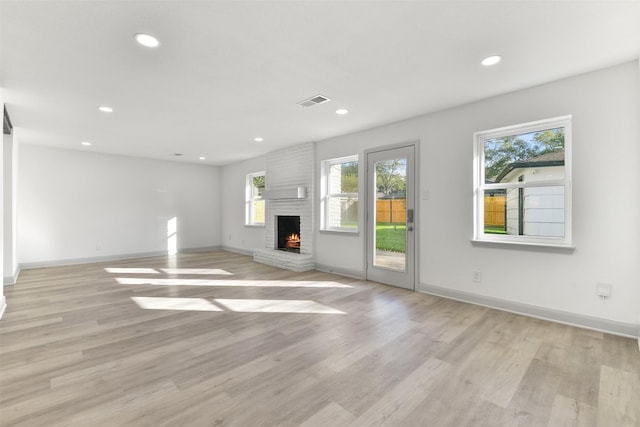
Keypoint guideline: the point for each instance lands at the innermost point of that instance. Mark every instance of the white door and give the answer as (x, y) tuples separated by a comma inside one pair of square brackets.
[(391, 216)]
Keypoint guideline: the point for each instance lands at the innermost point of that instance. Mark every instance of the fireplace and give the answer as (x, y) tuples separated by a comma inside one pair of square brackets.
[(288, 233), (285, 169)]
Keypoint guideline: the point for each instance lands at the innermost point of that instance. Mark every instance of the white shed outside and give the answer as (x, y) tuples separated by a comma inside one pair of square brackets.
[(535, 211)]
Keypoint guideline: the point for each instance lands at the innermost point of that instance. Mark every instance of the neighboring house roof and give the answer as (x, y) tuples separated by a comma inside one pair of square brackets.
[(554, 158)]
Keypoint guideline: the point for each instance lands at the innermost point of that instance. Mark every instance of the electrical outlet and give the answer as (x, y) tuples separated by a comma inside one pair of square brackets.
[(603, 290), (98, 247), (477, 276)]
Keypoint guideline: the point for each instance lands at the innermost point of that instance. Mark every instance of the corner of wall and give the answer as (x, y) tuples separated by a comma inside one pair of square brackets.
[(13, 278), (639, 331)]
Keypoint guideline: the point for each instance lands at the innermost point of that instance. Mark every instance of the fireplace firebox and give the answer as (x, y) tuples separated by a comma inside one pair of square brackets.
[(288, 233)]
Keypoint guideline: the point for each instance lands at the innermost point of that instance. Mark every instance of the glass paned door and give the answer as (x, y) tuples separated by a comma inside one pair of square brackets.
[(391, 217)]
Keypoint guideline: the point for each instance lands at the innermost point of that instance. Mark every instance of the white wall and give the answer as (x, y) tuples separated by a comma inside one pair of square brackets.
[(236, 236), (606, 150), (342, 252), (10, 241), (3, 303), (76, 205)]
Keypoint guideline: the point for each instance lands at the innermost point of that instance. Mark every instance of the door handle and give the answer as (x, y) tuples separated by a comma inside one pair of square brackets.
[(409, 216)]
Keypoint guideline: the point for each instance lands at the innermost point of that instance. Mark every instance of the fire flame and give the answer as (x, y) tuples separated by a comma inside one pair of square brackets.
[(293, 240)]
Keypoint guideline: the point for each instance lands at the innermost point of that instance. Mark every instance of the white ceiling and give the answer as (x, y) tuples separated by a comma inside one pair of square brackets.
[(229, 71)]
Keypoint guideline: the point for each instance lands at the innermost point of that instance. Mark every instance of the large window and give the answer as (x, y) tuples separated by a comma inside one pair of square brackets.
[(340, 194), (254, 201), (522, 177)]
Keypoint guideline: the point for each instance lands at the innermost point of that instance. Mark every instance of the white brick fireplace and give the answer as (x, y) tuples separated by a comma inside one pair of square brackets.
[(287, 170)]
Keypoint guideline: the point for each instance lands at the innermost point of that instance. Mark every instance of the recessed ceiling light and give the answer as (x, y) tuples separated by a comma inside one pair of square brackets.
[(258, 139), (146, 40), (105, 109), (85, 143), (491, 60), (203, 158), (342, 111)]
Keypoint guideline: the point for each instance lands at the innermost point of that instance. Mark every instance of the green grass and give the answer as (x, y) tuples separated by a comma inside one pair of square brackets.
[(494, 229), (391, 237), (350, 224)]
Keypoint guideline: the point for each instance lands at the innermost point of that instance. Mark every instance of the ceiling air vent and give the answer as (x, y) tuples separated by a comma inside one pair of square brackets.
[(314, 100)]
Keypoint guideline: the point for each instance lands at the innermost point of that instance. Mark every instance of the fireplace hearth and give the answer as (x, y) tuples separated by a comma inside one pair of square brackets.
[(288, 233)]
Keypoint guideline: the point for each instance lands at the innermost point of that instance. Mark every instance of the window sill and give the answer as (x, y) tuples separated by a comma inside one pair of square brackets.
[(532, 245), (341, 232), (254, 225)]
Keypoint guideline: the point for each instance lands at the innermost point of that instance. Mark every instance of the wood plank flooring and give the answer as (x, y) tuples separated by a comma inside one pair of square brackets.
[(214, 339)]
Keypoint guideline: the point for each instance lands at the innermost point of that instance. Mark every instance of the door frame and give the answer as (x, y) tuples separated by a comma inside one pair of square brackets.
[(416, 211)]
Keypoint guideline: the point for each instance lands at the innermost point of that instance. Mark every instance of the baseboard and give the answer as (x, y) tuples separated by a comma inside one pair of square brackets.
[(603, 325), (89, 260), (354, 274), (200, 249), (116, 257), (240, 251), (11, 280), (3, 305)]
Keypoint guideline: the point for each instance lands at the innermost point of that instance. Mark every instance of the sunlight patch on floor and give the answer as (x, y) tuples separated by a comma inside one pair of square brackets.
[(181, 304), (235, 305), (131, 270), (276, 306), (217, 271), (229, 283)]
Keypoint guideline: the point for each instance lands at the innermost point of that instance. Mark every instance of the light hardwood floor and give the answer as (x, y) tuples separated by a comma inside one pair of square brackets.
[(214, 339)]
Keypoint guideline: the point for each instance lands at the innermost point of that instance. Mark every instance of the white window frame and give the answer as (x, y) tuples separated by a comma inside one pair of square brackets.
[(479, 185), (324, 191), (250, 200)]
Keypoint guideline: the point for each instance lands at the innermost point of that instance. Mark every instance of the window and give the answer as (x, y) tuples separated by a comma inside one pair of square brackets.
[(340, 194), (522, 177), (254, 200)]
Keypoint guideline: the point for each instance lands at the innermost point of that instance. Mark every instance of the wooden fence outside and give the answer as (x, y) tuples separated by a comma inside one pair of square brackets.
[(391, 210), (494, 210)]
